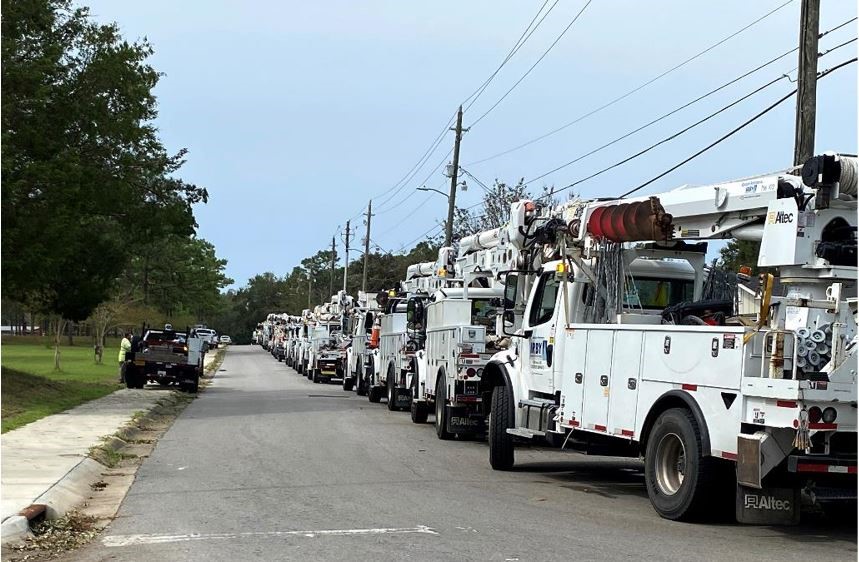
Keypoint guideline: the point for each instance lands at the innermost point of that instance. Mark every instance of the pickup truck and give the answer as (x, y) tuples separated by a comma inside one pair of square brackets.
[(166, 357)]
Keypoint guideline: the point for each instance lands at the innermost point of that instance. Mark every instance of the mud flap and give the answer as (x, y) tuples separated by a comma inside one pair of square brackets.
[(767, 506), (461, 420), (403, 398)]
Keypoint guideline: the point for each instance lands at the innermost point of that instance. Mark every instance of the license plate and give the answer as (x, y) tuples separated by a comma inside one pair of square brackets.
[(329, 372), (162, 373)]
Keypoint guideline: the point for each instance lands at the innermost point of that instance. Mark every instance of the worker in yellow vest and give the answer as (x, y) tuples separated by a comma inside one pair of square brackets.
[(124, 347)]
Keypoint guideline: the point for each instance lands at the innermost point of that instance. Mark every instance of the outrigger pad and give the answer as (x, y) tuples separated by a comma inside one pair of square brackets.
[(767, 506)]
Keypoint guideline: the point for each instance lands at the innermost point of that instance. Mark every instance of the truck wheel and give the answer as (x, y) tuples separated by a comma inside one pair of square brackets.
[(679, 479), (419, 410), (298, 368), (360, 383), (440, 403), (374, 394), (348, 383), (501, 417), (314, 375), (392, 390)]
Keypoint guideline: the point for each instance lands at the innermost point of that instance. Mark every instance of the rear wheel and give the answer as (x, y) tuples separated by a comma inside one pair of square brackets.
[(360, 383), (392, 390), (419, 410), (314, 375), (501, 418), (681, 482), (440, 410)]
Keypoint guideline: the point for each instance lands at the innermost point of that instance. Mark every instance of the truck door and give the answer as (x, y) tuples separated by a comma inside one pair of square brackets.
[(540, 321)]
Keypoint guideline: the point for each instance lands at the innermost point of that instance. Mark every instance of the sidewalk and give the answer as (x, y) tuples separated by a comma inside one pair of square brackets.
[(46, 462)]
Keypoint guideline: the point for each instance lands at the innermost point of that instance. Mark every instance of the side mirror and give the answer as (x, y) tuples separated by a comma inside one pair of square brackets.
[(511, 287)]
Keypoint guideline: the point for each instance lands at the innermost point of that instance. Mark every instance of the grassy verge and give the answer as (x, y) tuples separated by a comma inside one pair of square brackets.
[(32, 389)]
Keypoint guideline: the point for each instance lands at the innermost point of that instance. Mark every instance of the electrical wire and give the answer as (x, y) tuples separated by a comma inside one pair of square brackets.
[(660, 142), (634, 90), (734, 131), (672, 112), (518, 45), (533, 66)]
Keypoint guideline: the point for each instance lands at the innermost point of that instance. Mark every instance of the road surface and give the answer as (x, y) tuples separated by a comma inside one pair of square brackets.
[(267, 465)]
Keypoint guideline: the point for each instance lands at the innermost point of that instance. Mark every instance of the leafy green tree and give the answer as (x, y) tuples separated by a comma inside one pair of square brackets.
[(738, 253), (84, 173)]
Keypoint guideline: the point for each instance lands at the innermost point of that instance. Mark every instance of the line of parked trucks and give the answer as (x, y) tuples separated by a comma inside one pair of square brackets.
[(594, 326)]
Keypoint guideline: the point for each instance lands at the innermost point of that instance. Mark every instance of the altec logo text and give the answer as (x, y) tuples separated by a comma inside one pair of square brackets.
[(780, 217), (766, 502)]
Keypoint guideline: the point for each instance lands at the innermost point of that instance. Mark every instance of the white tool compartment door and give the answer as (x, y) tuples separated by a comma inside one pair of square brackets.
[(572, 381), (624, 382), (597, 378)]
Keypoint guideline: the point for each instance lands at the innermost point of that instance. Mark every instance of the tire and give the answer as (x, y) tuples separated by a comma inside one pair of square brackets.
[(501, 417), (440, 403), (374, 394), (314, 376), (348, 383), (391, 387), (419, 410), (681, 482), (360, 383), (298, 368)]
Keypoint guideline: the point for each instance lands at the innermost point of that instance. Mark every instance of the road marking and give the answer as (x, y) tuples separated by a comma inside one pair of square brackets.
[(134, 540)]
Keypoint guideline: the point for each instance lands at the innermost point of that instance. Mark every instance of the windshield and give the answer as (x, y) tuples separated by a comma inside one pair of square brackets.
[(655, 294)]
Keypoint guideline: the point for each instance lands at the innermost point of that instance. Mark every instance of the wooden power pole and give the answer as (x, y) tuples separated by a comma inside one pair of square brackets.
[(346, 262), (366, 247), (331, 275), (451, 200), (806, 93)]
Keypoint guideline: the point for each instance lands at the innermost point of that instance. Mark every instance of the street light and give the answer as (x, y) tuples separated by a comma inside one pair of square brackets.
[(446, 196)]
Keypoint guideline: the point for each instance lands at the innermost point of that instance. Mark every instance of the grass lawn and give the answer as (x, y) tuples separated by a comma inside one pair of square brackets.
[(32, 389)]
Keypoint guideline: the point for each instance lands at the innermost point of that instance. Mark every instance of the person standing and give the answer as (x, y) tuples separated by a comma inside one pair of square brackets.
[(124, 347)]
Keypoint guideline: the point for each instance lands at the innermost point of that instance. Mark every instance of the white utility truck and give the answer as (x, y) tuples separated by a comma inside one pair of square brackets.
[(363, 318), (600, 366), (400, 341), (327, 346)]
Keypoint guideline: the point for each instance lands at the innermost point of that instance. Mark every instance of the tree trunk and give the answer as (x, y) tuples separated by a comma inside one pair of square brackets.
[(57, 333)]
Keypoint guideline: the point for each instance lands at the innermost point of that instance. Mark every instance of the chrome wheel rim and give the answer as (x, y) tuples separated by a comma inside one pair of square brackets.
[(670, 464)]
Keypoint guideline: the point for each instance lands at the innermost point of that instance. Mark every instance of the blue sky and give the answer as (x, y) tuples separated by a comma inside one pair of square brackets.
[(296, 113)]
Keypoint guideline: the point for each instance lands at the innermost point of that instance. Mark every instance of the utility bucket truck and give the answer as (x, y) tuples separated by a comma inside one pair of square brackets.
[(401, 343), (464, 328), (327, 350), (762, 410), (363, 320)]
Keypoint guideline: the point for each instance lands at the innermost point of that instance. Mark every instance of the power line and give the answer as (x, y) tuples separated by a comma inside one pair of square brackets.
[(533, 66), (632, 91), (523, 38), (518, 45), (672, 112), (732, 132)]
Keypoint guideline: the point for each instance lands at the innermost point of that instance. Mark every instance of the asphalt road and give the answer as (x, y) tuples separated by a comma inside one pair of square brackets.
[(266, 465)]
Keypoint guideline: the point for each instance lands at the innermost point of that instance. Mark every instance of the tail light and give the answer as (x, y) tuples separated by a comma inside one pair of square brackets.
[(470, 372), (814, 414)]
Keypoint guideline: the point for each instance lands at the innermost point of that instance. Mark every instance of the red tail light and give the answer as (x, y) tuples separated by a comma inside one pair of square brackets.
[(470, 372), (814, 414)]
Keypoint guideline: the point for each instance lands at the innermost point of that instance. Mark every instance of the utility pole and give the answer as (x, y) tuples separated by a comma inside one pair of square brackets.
[(331, 275), (346, 266), (451, 200), (366, 247), (806, 91)]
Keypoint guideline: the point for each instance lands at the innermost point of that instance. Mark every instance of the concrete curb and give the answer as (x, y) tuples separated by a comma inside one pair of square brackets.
[(74, 488)]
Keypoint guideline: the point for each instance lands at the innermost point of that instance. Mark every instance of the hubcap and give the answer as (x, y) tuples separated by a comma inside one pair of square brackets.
[(670, 464)]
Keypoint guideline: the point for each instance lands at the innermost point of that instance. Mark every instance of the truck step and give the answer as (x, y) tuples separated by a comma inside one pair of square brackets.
[(536, 403), (525, 433)]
